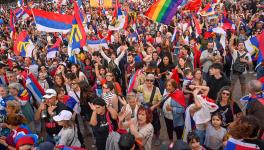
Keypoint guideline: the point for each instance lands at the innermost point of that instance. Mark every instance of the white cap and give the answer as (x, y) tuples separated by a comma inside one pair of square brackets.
[(50, 93), (63, 115)]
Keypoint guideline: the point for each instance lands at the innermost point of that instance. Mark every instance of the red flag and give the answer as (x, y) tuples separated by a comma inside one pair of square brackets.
[(197, 55), (116, 9), (193, 5), (175, 75), (178, 96), (197, 25)]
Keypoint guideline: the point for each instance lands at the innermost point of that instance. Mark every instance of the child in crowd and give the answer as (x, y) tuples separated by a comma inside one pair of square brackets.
[(194, 141), (214, 132)]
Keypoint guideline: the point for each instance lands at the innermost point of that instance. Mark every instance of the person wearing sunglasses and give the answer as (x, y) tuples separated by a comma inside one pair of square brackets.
[(152, 99), (229, 109)]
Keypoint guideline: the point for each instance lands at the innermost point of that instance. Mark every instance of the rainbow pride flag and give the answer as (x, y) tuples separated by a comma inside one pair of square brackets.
[(163, 10)]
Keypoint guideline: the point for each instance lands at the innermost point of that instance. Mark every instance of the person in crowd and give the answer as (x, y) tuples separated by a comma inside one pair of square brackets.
[(47, 109), (165, 67), (26, 141), (254, 105), (214, 132), (246, 130), (200, 111), (216, 81), (68, 135), (143, 129), (227, 107), (207, 48), (14, 123), (208, 57), (22, 96), (75, 69), (194, 141), (241, 59), (103, 121), (152, 99), (59, 82), (173, 111)]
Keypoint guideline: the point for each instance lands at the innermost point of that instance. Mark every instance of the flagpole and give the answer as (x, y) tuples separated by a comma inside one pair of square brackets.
[(33, 16)]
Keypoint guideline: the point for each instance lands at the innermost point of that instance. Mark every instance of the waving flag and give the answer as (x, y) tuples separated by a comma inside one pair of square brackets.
[(207, 11), (78, 35), (252, 47), (23, 45), (178, 96), (198, 27), (23, 96), (53, 50), (233, 144), (163, 10), (12, 25), (52, 22), (96, 44), (118, 23), (193, 5), (71, 103), (20, 3), (260, 45), (34, 87), (228, 25), (132, 81)]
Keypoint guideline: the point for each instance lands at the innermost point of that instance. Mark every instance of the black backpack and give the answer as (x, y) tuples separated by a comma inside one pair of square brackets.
[(238, 66)]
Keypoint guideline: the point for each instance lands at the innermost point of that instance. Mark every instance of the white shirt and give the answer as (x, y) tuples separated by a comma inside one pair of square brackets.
[(167, 114), (247, 56)]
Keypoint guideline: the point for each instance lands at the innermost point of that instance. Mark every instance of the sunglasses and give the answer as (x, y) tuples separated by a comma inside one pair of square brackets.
[(225, 93), (149, 80)]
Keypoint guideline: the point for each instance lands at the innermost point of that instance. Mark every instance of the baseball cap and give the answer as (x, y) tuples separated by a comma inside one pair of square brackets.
[(63, 115), (50, 93)]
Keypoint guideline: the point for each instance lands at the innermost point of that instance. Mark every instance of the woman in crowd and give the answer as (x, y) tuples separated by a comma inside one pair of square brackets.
[(229, 109), (165, 67), (173, 111), (198, 78), (143, 129), (59, 82), (76, 70), (22, 96), (103, 121), (152, 99), (14, 123)]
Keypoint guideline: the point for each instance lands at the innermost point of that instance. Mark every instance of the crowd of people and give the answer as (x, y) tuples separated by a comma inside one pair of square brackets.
[(121, 97)]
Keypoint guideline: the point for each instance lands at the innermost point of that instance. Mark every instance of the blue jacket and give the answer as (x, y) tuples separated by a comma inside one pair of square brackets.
[(178, 113)]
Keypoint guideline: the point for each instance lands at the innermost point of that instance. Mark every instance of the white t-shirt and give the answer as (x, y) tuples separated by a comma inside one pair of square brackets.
[(167, 114)]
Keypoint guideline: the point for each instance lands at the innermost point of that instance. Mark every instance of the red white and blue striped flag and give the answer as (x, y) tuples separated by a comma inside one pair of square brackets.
[(34, 87)]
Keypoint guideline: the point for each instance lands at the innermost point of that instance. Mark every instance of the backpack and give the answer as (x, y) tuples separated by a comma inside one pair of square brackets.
[(239, 67)]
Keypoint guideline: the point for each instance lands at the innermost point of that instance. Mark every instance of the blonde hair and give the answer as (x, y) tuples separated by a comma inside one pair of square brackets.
[(14, 104)]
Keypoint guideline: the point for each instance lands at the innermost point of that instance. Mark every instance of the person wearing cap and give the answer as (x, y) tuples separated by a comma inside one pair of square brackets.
[(103, 120), (68, 135), (217, 80), (26, 141), (53, 107)]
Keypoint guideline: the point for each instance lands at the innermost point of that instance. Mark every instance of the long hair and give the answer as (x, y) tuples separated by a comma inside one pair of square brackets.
[(219, 96)]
